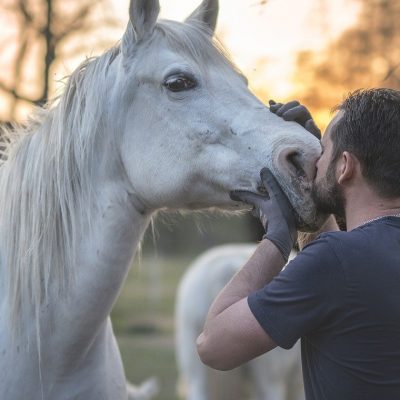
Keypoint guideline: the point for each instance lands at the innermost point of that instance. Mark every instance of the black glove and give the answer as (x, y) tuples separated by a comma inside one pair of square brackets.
[(274, 211), (294, 111)]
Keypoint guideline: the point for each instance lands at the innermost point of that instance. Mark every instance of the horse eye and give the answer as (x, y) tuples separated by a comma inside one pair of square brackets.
[(179, 83)]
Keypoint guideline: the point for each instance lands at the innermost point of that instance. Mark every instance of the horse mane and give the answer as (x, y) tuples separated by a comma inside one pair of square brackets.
[(45, 186)]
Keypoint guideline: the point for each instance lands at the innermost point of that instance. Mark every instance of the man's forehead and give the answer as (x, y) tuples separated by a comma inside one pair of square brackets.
[(331, 125)]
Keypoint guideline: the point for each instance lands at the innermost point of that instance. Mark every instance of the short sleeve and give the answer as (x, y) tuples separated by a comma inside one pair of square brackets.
[(303, 296)]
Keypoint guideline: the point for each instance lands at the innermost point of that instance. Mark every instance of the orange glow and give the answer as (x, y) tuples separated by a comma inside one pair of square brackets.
[(263, 39)]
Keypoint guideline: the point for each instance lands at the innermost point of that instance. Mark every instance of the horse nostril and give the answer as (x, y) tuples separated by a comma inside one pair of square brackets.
[(294, 161)]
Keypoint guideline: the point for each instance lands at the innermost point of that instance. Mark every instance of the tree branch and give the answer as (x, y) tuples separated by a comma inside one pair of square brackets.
[(75, 23), (390, 72), (15, 94), (24, 11), (18, 68), (83, 49)]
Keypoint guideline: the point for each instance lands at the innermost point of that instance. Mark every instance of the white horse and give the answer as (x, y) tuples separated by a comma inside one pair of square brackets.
[(162, 120), (273, 376)]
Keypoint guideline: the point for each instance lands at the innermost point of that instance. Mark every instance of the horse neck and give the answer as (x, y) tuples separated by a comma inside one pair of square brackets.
[(64, 230), (104, 256)]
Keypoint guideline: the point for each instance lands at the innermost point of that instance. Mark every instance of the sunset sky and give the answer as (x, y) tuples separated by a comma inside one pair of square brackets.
[(273, 32), (263, 39)]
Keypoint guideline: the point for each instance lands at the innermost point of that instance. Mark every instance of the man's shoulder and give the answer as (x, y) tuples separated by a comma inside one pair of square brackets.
[(329, 240), (350, 246), (375, 231), (320, 255), (340, 239), (329, 249)]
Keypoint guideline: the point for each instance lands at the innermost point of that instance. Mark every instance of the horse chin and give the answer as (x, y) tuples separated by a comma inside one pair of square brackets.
[(308, 218), (310, 222)]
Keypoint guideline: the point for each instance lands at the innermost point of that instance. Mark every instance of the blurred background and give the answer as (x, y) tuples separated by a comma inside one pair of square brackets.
[(313, 50)]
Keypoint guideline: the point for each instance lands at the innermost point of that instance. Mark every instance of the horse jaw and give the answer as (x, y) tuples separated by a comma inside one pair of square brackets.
[(235, 160)]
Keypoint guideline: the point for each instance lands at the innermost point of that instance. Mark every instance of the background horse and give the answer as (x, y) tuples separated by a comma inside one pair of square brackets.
[(273, 376), (162, 120)]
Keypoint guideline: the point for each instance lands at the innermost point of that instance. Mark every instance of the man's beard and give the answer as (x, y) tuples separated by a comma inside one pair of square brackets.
[(328, 195)]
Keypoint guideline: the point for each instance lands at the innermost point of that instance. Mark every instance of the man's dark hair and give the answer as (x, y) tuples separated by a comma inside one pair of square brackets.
[(370, 129)]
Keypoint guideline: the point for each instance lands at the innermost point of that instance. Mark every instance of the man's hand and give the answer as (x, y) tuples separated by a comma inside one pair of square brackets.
[(275, 212), (294, 111)]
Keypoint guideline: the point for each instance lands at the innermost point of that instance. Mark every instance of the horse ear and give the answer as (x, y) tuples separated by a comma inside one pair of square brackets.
[(143, 16), (207, 13)]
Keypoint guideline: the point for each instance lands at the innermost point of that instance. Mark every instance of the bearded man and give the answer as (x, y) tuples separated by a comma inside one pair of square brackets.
[(341, 294)]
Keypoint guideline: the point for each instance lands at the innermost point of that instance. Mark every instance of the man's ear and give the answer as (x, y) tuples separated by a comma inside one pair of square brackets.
[(347, 167)]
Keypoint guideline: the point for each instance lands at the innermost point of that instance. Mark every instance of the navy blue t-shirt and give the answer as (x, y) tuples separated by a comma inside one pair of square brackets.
[(341, 296)]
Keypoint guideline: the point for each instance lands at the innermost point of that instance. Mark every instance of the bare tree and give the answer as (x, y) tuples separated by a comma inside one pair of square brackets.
[(42, 27)]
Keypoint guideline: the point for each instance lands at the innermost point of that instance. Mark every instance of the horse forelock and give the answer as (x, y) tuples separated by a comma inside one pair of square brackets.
[(45, 189), (194, 40)]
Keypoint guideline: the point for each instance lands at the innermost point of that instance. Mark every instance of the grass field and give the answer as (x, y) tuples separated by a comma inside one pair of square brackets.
[(144, 321)]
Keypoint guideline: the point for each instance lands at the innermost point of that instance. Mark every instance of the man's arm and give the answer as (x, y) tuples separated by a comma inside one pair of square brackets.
[(232, 335)]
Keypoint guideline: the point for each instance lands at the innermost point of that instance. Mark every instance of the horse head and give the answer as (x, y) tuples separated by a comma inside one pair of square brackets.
[(192, 130)]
